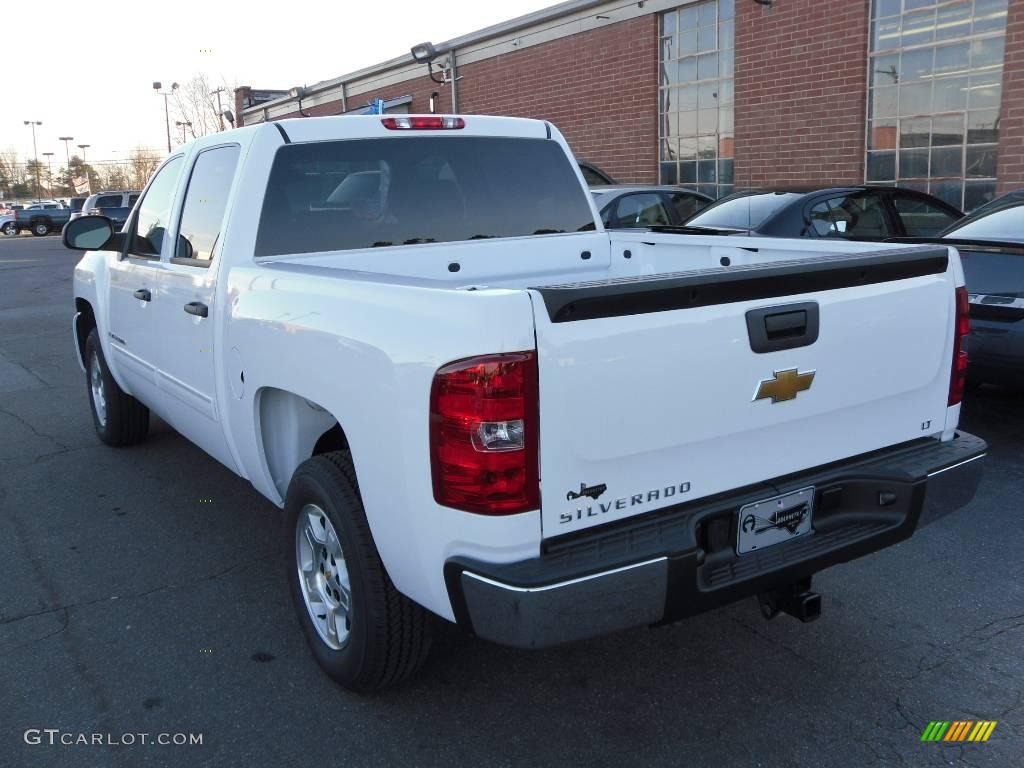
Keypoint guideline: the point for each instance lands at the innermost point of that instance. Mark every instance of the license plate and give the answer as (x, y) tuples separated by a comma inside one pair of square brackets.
[(773, 521)]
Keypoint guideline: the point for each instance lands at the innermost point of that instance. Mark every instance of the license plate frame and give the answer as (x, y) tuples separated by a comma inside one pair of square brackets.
[(775, 520)]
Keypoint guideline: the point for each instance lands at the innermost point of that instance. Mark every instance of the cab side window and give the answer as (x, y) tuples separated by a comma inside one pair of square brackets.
[(686, 205), (641, 210), (821, 221), (205, 202), (155, 210), (850, 216)]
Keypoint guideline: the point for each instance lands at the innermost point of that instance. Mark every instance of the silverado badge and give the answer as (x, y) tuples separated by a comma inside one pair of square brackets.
[(784, 385)]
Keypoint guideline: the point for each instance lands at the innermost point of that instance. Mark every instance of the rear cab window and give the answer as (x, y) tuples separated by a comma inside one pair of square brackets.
[(367, 193)]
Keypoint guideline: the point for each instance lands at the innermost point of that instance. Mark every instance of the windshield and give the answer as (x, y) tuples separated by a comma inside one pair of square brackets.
[(339, 195), (745, 210), (1005, 224)]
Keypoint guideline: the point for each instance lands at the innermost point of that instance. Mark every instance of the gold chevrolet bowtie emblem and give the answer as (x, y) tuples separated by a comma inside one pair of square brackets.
[(784, 385)]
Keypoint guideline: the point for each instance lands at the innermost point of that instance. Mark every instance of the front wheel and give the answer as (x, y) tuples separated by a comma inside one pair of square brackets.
[(361, 630), (119, 418), (10, 229), (40, 228)]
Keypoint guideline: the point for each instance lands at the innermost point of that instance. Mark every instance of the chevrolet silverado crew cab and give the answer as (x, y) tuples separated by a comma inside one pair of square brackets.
[(473, 402)]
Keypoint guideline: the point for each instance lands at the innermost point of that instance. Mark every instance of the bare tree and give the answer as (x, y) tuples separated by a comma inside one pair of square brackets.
[(12, 171), (195, 104), (115, 176), (142, 162)]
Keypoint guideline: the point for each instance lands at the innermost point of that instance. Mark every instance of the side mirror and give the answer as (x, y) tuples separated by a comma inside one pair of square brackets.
[(184, 250), (87, 233)]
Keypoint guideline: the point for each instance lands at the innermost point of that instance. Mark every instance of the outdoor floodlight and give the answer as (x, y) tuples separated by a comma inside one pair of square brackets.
[(424, 52)]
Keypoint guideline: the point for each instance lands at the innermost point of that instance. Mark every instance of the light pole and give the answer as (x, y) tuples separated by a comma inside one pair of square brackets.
[(49, 173), (183, 124), (35, 154), (67, 156), (167, 114)]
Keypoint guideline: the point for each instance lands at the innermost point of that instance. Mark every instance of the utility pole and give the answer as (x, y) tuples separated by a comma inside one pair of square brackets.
[(49, 173), (220, 112), (35, 154), (167, 114), (67, 156)]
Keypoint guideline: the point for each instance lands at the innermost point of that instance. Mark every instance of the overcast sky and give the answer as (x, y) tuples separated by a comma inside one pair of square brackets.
[(88, 70)]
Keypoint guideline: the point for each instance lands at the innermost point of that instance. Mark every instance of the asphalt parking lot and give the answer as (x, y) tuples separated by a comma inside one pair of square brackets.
[(131, 604)]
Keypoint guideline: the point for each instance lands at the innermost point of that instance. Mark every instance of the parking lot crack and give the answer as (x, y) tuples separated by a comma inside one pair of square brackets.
[(33, 430), (8, 361), (162, 588), (66, 620)]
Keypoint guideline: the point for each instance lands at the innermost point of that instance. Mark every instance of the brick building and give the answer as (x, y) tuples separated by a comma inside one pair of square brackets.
[(718, 94)]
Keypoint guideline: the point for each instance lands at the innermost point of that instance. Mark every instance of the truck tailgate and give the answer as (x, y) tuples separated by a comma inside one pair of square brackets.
[(652, 394)]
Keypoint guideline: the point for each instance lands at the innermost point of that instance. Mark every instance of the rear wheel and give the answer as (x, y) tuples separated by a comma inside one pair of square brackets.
[(361, 630), (40, 228), (119, 418), (10, 229)]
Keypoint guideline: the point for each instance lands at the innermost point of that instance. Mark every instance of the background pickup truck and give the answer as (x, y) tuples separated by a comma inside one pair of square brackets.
[(41, 218), (475, 403), (116, 206)]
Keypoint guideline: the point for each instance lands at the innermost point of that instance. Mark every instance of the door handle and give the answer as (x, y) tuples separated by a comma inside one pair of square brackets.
[(143, 294), (197, 308)]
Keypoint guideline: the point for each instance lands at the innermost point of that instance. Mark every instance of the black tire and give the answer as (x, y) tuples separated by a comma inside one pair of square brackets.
[(10, 229), (40, 228), (389, 635), (126, 420)]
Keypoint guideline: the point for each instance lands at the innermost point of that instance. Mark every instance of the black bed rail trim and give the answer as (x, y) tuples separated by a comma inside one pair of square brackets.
[(707, 287)]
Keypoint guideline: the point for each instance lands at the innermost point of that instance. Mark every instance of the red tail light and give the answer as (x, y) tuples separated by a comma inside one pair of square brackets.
[(483, 434), (423, 123), (958, 378)]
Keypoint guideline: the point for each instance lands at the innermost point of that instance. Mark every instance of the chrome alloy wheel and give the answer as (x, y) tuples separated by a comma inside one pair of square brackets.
[(99, 393), (323, 576)]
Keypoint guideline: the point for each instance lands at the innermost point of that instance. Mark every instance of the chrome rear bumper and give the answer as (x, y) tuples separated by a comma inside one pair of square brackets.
[(682, 561)]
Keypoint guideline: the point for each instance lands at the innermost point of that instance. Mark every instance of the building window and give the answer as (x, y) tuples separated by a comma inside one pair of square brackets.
[(933, 105), (695, 111)]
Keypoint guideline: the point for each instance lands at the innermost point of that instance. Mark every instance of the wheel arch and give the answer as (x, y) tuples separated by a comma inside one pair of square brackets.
[(290, 429), (85, 321)]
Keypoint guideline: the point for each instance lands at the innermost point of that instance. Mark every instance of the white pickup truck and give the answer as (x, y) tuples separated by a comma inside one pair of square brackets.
[(414, 334)]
